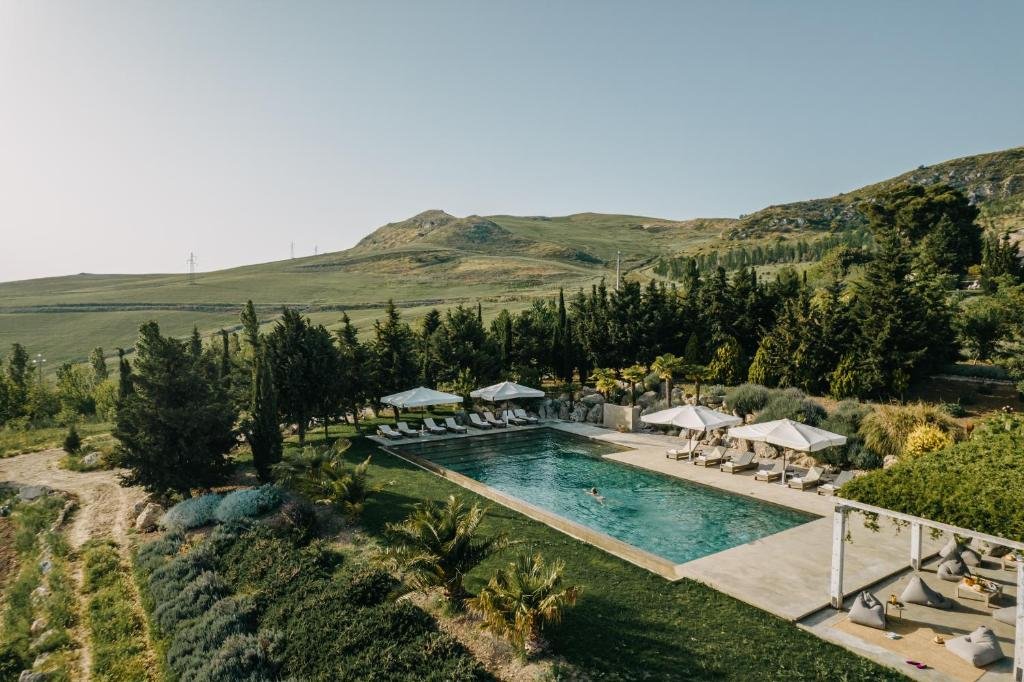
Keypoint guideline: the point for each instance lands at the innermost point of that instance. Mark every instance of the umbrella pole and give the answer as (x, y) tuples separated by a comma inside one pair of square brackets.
[(784, 467)]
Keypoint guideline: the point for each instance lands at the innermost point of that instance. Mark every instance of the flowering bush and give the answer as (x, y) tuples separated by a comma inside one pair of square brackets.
[(925, 438), (248, 503), (192, 513)]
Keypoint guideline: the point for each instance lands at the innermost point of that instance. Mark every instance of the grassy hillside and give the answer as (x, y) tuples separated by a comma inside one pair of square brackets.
[(436, 259)]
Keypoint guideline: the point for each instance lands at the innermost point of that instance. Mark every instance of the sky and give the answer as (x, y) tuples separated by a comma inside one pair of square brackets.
[(135, 132)]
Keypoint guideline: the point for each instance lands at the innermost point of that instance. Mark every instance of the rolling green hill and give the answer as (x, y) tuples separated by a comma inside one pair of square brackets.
[(436, 259)]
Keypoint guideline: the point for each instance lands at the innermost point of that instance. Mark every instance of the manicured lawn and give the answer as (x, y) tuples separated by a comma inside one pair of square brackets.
[(630, 624)]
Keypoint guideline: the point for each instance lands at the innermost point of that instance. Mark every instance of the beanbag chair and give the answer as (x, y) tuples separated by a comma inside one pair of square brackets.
[(978, 648), (952, 570), (1007, 614), (950, 548), (970, 557), (868, 611), (918, 592)]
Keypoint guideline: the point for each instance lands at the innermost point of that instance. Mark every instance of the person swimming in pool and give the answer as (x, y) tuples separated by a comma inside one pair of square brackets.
[(596, 495)]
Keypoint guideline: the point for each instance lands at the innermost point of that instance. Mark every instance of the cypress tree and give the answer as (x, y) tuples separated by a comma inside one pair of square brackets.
[(264, 432), (225, 356), (99, 364), (124, 375), (250, 325)]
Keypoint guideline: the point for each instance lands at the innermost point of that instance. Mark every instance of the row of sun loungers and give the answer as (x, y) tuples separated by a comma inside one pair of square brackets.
[(744, 461), (488, 421)]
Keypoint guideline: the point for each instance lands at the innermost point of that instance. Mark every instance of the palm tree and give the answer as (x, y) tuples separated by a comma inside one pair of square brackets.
[(604, 380), (325, 477), (667, 366), (697, 374), (437, 545), (520, 600), (634, 374)]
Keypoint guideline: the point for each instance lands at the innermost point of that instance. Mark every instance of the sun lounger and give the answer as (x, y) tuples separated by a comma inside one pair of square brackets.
[(808, 480), (433, 427), (831, 487), (713, 457), (510, 418), (521, 414), (686, 451), (450, 424), (740, 462), (489, 418), (772, 474), (386, 431), (476, 422), (404, 429)]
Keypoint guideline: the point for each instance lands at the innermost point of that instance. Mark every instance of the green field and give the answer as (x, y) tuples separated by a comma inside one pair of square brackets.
[(436, 260)]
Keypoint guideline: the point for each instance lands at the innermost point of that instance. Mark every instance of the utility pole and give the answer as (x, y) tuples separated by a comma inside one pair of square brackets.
[(293, 250), (191, 267), (316, 250), (618, 263), (39, 361)]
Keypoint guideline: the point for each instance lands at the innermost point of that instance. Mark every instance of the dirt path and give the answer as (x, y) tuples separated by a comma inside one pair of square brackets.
[(104, 511), (104, 506)]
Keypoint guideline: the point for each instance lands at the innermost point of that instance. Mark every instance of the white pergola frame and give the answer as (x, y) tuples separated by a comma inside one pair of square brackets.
[(917, 525)]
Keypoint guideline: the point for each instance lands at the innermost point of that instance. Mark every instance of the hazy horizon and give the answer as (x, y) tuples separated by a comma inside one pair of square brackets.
[(135, 133)]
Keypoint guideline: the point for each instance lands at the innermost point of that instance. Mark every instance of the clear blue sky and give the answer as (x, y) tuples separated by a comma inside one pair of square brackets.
[(134, 132)]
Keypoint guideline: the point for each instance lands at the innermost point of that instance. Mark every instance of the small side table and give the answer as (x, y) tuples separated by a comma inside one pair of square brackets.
[(898, 607), (986, 594)]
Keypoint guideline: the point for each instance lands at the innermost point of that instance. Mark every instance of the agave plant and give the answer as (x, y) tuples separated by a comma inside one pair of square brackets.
[(438, 544), (520, 600)]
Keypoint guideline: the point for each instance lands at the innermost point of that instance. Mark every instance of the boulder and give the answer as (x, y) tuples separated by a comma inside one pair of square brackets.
[(625, 402), (31, 492), (138, 507), (647, 399), (45, 566), (38, 626), (596, 414), (148, 517), (889, 461), (92, 459), (579, 413), (30, 676), (40, 594), (677, 394), (593, 399), (587, 390), (563, 411)]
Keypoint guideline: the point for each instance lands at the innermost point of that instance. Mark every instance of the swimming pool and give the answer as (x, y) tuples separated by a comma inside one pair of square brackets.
[(551, 469)]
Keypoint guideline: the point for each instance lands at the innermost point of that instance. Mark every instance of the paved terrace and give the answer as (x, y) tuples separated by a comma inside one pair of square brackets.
[(786, 574)]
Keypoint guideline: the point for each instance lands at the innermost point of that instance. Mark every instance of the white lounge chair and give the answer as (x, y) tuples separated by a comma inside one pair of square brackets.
[(510, 418), (450, 424), (490, 419), (740, 462), (434, 428), (476, 422), (686, 450), (404, 429), (809, 480), (712, 457), (386, 431), (522, 415), (772, 474), (830, 488)]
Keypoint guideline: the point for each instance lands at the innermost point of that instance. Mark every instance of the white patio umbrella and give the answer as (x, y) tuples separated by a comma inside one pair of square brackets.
[(505, 391), (420, 397), (789, 434), (694, 418)]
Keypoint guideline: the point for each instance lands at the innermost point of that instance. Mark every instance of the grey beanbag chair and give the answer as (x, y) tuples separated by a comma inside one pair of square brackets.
[(970, 557), (952, 570), (978, 648), (918, 592), (867, 610), (950, 548), (1007, 614)]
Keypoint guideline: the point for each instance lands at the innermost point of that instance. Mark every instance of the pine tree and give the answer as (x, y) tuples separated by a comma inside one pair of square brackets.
[(392, 349), (175, 426), (225, 356), (292, 353), (356, 366), (263, 432), (99, 364), (124, 375)]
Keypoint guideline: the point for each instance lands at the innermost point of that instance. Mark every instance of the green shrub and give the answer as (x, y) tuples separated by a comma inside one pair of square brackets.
[(885, 430), (192, 513), (191, 645), (746, 398), (297, 519), (961, 485), (953, 409), (791, 404), (72, 441), (963, 369), (198, 596), (243, 657), (248, 503)]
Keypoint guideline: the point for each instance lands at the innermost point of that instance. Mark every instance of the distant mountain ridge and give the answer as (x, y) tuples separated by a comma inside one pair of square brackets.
[(437, 259)]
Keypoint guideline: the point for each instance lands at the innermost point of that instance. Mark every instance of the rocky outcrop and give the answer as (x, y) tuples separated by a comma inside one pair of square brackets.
[(596, 414), (592, 399), (148, 518)]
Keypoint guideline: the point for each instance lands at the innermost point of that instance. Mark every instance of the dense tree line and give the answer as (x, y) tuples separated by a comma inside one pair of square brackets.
[(854, 243)]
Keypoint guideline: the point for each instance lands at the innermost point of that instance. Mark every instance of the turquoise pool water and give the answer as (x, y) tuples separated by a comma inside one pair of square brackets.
[(552, 469)]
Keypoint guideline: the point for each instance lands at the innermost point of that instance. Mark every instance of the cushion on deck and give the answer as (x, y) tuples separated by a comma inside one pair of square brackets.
[(952, 570), (978, 648), (918, 592), (868, 611)]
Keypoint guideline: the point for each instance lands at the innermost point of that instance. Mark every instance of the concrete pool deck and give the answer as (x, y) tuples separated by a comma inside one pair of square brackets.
[(786, 574)]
